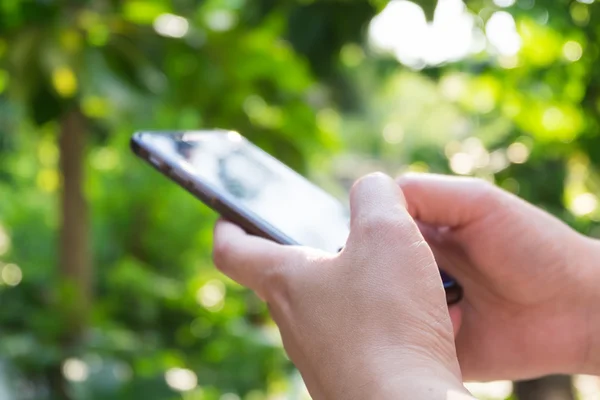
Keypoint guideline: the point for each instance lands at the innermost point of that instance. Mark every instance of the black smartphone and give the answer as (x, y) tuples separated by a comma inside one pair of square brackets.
[(253, 189)]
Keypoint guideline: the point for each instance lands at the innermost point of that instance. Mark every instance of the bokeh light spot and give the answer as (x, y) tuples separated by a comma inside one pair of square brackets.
[(105, 159), (452, 148), (588, 386), (328, 120), (48, 153), (4, 241), (48, 180), (211, 296), (64, 81), (393, 133), (580, 14), (475, 149), (552, 118), (462, 163), (11, 274), (508, 62), (517, 153), (402, 30), (584, 204), (453, 86), (95, 107), (170, 25), (572, 51), (501, 32), (504, 3), (221, 20), (352, 55), (98, 34), (75, 370), (498, 161), (181, 379)]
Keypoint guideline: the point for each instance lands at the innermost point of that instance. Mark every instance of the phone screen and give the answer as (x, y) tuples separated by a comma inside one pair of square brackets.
[(250, 178)]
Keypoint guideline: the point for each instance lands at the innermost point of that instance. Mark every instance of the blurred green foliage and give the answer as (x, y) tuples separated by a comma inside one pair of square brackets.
[(298, 79)]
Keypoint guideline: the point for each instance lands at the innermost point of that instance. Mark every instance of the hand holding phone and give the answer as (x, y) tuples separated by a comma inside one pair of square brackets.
[(252, 189)]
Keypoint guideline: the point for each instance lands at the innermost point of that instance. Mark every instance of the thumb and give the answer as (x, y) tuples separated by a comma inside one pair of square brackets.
[(376, 198), (379, 215), (446, 201)]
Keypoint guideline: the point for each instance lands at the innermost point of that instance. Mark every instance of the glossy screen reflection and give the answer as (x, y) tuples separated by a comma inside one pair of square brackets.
[(252, 179)]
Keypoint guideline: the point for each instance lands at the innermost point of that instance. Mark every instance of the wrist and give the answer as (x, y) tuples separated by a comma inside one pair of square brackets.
[(416, 377), (421, 386)]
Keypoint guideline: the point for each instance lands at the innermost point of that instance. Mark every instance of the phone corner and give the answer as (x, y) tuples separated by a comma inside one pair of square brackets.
[(134, 142)]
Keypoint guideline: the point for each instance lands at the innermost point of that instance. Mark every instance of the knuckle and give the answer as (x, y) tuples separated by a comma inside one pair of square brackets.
[(383, 223)]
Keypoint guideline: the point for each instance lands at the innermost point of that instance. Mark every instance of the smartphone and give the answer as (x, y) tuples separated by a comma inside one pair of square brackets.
[(253, 189)]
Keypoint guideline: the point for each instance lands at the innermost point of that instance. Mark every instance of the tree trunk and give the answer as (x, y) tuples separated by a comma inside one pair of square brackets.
[(75, 258), (555, 387), (75, 266)]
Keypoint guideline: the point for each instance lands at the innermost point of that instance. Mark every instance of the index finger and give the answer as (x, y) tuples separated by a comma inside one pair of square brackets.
[(448, 201), (243, 257)]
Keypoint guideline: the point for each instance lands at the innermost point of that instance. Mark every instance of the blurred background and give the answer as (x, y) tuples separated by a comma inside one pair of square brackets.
[(107, 290)]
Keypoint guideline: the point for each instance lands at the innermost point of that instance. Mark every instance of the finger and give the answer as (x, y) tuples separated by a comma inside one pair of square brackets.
[(448, 201), (443, 255), (442, 245), (245, 258), (451, 259), (376, 206), (456, 318)]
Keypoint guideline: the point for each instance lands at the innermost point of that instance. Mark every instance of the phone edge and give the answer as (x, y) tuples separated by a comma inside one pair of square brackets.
[(244, 218)]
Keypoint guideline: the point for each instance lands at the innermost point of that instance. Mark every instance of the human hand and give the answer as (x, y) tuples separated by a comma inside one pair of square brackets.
[(369, 322), (530, 303)]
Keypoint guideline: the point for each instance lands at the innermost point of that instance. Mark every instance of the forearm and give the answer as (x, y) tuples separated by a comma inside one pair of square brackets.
[(591, 350)]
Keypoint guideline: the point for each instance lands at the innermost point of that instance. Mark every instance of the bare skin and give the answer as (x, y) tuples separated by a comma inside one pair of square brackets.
[(371, 321), (350, 322), (531, 283)]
